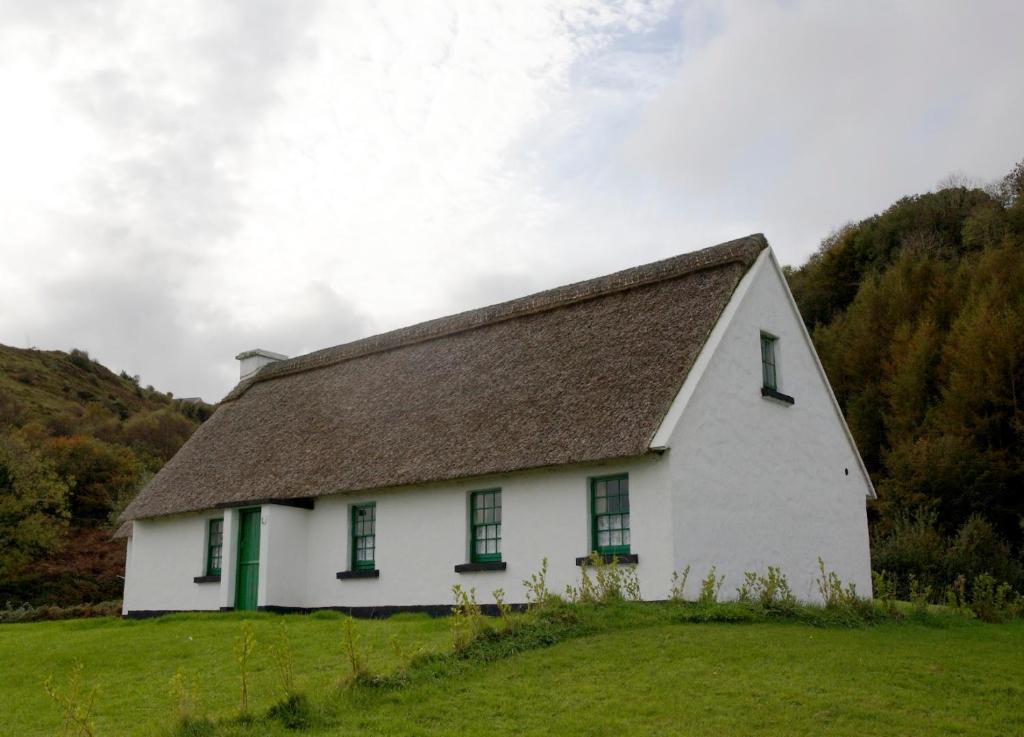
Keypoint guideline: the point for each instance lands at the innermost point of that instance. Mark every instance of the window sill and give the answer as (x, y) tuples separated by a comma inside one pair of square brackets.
[(207, 579), (346, 575), (622, 559), (494, 565), (779, 396)]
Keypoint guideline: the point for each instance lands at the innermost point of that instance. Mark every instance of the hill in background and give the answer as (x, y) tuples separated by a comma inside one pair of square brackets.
[(77, 441), (918, 316)]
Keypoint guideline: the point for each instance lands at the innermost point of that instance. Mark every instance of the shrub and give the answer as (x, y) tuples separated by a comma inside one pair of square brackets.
[(710, 587), (768, 591), (884, 585), (678, 588), (978, 549), (833, 594), (467, 619), (992, 601), (536, 586), (919, 596), (611, 583)]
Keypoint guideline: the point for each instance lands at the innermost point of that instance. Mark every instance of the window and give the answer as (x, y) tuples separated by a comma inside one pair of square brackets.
[(214, 547), (485, 526), (609, 502), (769, 373), (364, 538)]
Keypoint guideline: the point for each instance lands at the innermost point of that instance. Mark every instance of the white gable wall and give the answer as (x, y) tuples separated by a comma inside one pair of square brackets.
[(757, 482)]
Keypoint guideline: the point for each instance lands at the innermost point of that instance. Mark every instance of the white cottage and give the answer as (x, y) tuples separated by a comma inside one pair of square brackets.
[(669, 415)]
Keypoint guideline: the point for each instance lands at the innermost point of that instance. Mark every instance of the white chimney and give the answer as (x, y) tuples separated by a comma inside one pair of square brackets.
[(252, 361)]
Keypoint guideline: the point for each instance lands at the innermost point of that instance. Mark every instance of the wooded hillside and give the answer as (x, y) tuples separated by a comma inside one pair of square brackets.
[(76, 443), (918, 316)]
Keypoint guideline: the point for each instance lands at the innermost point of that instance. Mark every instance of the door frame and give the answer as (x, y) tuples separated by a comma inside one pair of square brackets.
[(243, 514)]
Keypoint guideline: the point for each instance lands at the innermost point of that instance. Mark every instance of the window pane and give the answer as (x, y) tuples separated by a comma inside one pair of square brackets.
[(616, 538), (602, 539), (485, 525)]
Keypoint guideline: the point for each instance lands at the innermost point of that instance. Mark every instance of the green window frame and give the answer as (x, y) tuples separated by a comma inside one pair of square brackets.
[(485, 526), (609, 505), (214, 546), (364, 536), (769, 370)]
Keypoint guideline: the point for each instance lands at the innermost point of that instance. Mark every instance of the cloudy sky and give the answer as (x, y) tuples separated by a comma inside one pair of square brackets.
[(181, 181)]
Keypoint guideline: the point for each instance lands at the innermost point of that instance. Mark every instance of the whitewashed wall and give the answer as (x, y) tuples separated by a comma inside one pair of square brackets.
[(422, 533), (757, 482), (166, 554)]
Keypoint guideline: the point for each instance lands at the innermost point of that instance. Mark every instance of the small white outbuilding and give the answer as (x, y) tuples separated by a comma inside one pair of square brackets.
[(670, 415)]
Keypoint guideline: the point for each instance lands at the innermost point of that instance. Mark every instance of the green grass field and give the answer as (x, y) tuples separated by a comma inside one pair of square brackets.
[(639, 674)]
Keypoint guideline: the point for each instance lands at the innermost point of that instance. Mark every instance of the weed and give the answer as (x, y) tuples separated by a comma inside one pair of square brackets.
[(678, 589), (467, 619), (885, 585), (504, 610), (768, 591), (537, 587), (76, 703), (919, 595), (956, 594), (284, 661), (188, 721), (358, 671), (834, 595), (710, 587), (243, 653), (610, 583)]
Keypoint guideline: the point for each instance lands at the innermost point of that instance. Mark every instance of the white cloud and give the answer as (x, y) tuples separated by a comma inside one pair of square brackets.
[(183, 181), (809, 114)]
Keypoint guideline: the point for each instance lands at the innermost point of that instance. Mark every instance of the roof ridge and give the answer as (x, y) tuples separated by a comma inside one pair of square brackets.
[(741, 250)]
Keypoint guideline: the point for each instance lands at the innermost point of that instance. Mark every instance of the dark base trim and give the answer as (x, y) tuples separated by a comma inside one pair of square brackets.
[(346, 575), (629, 559), (383, 612), (494, 565), (359, 612), (207, 579), (772, 394)]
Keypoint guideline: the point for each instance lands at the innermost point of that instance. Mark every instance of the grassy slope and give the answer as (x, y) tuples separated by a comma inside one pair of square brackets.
[(47, 383), (694, 679)]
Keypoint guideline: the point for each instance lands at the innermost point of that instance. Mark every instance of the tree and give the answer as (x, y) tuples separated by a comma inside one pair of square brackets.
[(33, 505)]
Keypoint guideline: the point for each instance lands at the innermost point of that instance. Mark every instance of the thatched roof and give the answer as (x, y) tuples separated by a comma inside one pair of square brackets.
[(580, 373)]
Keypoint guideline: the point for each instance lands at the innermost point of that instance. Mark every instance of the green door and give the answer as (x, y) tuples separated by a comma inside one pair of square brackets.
[(248, 578)]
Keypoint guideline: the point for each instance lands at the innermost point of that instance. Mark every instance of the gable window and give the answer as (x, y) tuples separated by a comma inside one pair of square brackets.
[(769, 370), (609, 503), (364, 536), (214, 546), (485, 526)]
